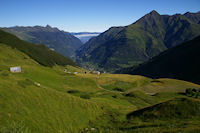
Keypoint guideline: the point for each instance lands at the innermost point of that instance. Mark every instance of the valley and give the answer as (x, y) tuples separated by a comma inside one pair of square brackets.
[(138, 73)]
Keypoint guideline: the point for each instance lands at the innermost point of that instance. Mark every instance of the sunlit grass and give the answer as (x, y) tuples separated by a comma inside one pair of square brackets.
[(72, 102)]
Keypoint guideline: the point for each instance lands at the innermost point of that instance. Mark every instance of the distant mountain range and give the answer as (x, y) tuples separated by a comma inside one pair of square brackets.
[(180, 62), (121, 47), (85, 36), (60, 41), (40, 53)]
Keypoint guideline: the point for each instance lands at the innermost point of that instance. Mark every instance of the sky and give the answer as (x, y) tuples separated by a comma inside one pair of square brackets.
[(86, 15)]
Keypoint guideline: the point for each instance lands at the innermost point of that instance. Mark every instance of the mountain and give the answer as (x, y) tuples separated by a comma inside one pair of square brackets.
[(85, 36), (40, 53), (60, 41), (194, 17), (121, 47), (180, 62)]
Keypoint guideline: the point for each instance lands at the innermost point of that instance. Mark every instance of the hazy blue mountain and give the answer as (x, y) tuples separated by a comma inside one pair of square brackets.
[(60, 41)]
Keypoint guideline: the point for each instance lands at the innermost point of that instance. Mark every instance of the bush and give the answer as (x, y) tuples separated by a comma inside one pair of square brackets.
[(114, 96), (188, 92), (118, 89), (85, 96), (192, 92), (73, 91)]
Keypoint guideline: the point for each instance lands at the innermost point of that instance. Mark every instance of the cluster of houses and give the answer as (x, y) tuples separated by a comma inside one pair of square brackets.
[(93, 72), (69, 72), (17, 69)]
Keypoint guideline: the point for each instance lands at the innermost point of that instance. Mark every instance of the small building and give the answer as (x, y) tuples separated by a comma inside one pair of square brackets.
[(75, 72), (15, 69), (96, 72), (52, 49)]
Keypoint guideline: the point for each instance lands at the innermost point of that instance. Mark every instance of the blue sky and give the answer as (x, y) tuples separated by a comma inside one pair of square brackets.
[(86, 15)]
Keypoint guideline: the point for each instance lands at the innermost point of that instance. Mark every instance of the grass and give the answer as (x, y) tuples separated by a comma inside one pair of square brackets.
[(39, 109), (73, 102), (120, 86), (44, 109), (178, 108), (174, 116)]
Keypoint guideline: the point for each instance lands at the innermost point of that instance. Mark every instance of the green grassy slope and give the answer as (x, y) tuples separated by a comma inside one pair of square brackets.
[(180, 108), (40, 53), (72, 103), (175, 115), (38, 109)]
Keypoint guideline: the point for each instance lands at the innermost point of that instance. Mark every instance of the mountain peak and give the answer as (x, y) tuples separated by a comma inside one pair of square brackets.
[(48, 26), (187, 13), (154, 12)]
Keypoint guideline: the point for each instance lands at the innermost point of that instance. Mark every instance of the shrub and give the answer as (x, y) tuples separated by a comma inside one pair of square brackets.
[(85, 96), (118, 89), (73, 91), (192, 92), (189, 92), (114, 96)]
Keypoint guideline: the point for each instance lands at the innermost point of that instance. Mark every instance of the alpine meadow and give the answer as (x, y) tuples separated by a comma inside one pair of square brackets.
[(100, 66)]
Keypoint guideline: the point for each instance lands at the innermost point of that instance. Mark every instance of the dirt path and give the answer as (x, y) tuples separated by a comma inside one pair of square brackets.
[(99, 86)]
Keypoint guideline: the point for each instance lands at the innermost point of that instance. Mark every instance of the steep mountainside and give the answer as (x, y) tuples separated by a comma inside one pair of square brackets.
[(85, 36), (39, 53), (181, 62), (62, 42), (121, 47)]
